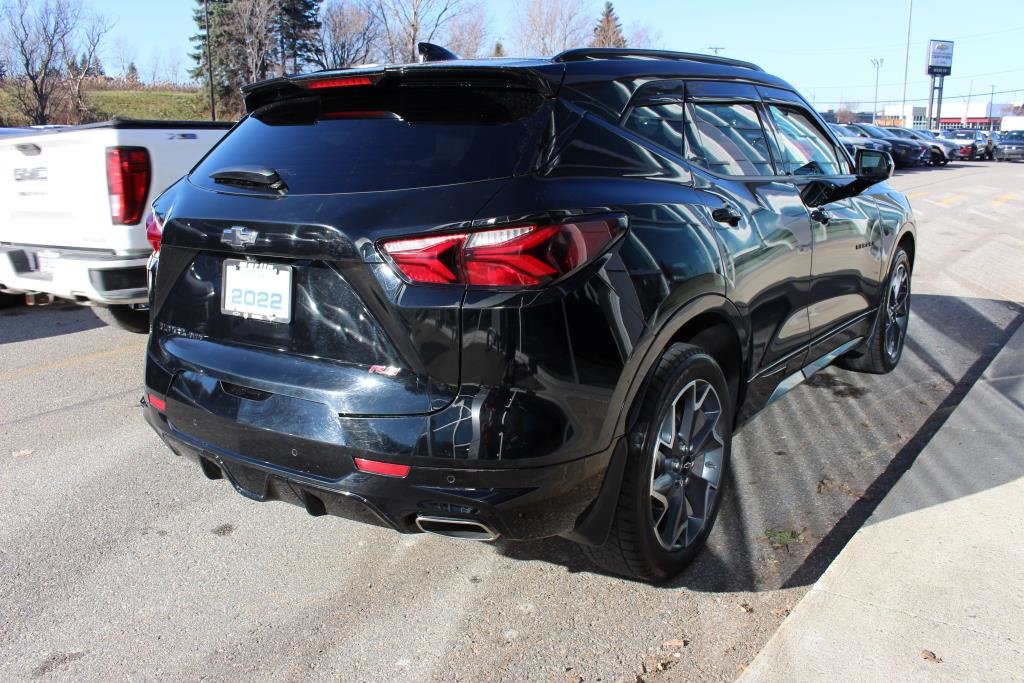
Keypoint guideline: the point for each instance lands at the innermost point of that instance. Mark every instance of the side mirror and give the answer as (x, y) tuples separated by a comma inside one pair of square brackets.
[(874, 166)]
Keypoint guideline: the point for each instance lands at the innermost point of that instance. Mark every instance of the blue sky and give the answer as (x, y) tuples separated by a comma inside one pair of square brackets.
[(822, 47)]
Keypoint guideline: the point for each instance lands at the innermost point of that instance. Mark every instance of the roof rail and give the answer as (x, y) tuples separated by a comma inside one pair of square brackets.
[(583, 53)]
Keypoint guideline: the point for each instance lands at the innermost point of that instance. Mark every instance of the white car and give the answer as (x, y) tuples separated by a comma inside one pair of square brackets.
[(72, 209)]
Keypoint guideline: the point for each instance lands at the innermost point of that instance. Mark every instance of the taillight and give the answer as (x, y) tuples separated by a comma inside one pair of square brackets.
[(342, 82), (128, 176), (154, 231), (514, 256), (156, 402)]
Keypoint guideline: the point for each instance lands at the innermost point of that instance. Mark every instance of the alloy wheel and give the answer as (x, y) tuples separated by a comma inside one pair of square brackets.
[(897, 312), (687, 467)]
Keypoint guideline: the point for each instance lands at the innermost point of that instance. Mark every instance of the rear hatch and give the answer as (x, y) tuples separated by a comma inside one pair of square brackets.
[(270, 282), (53, 189)]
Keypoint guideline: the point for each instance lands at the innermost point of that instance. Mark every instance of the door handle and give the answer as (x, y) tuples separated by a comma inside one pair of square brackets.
[(821, 216), (726, 214)]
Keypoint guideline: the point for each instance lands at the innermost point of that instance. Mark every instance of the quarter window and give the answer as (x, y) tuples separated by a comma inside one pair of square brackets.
[(728, 139), (805, 149), (662, 124)]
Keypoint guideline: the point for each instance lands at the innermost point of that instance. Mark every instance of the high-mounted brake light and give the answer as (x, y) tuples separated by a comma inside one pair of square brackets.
[(387, 469), (514, 256), (344, 82), (128, 175), (154, 231)]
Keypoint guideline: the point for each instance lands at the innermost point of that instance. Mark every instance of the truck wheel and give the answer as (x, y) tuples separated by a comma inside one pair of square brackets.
[(881, 353), (11, 300), (672, 487), (124, 317)]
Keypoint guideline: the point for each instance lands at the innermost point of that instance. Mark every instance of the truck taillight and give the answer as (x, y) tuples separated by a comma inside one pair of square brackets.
[(154, 231), (514, 256), (128, 176)]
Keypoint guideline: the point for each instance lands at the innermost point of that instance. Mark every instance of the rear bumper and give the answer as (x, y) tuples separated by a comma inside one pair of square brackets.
[(518, 503), (1010, 153), (74, 274)]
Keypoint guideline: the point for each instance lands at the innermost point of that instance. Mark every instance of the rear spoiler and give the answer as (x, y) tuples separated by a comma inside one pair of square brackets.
[(540, 76)]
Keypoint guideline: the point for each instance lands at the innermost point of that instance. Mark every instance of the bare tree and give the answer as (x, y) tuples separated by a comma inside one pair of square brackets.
[(154, 68), (404, 23), (172, 66), (546, 27), (252, 23), (466, 34), (93, 30), (39, 35), (642, 36), (349, 34), (124, 56)]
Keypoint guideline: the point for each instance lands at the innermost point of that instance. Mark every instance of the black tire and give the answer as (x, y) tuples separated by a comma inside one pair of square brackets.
[(636, 546), (879, 354), (11, 300), (124, 317)]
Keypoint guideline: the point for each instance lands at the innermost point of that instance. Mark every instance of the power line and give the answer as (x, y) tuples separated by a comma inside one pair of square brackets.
[(948, 78), (922, 99), (868, 48)]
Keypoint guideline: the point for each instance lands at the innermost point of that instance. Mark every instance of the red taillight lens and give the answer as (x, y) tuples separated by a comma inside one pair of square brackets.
[(344, 82), (157, 402), (388, 469), (128, 176), (515, 256), (154, 231)]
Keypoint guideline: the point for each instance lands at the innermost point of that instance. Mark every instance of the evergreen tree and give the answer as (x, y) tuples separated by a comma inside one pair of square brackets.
[(132, 76), (498, 51), (608, 32), (298, 24)]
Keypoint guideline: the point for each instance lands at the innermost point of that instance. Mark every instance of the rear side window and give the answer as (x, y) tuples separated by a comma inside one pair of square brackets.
[(662, 124), (805, 149), (730, 140), (378, 138)]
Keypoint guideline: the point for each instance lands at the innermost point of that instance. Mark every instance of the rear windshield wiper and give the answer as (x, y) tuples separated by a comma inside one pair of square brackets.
[(252, 177)]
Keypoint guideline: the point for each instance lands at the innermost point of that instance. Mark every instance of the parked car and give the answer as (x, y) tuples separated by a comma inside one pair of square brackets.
[(904, 152), (1011, 146), (974, 144), (942, 151), (516, 298), (853, 140), (72, 201)]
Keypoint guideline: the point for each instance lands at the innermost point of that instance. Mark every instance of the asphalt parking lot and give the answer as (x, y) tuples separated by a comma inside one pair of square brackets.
[(119, 560)]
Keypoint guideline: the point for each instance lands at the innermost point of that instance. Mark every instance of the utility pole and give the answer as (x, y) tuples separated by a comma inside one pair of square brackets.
[(209, 59), (991, 99), (967, 107), (878, 67), (906, 67), (716, 50)]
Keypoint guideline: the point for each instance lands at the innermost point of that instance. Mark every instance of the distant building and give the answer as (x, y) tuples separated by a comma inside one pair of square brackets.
[(955, 114)]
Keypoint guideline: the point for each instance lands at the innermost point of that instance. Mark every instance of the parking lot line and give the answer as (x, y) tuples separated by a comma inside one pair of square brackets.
[(1002, 199), (950, 199), (73, 360)]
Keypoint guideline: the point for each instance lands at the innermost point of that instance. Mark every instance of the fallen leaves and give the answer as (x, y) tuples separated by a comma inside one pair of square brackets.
[(745, 606), (828, 485), (22, 453), (780, 612), (929, 656), (675, 643)]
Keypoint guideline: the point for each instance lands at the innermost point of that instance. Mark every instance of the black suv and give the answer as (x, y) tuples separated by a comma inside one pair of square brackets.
[(516, 298)]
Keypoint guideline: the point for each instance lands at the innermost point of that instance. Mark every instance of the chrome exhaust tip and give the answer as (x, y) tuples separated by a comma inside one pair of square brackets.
[(466, 529)]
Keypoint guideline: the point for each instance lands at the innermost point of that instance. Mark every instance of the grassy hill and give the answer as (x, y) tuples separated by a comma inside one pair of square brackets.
[(128, 104)]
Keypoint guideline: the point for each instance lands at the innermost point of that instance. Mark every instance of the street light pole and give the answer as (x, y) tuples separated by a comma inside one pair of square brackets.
[(906, 68), (878, 67), (991, 100), (209, 59)]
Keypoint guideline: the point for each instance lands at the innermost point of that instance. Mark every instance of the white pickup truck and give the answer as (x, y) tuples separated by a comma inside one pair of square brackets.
[(72, 209)]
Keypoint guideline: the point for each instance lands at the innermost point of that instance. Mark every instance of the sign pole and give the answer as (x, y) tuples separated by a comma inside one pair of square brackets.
[(931, 102)]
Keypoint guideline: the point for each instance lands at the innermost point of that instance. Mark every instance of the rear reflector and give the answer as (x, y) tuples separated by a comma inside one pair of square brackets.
[(388, 469), (345, 82), (157, 402), (154, 231), (514, 256), (128, 177)]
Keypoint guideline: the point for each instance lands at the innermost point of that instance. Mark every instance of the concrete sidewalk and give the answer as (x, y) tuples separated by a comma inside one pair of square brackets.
[(932, 587)]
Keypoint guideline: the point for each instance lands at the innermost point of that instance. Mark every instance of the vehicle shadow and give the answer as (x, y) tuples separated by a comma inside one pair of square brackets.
[(25, 323), (810, 470)]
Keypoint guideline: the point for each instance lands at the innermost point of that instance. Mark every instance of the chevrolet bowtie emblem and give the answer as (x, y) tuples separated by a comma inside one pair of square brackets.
[(237, 236)]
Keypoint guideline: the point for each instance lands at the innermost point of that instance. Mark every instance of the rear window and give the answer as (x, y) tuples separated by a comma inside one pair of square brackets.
[(378, 138)]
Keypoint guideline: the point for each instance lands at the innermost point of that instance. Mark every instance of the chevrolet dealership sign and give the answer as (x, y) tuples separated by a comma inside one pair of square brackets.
[(940, 57)]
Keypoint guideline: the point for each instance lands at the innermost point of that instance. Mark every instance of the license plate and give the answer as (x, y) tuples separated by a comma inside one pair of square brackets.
[(46, 261), (257, 290)]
